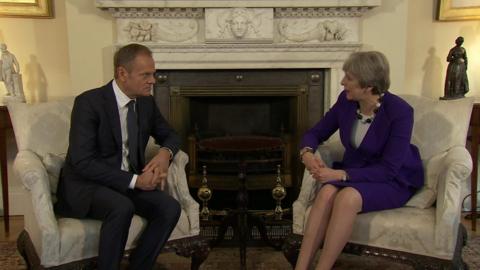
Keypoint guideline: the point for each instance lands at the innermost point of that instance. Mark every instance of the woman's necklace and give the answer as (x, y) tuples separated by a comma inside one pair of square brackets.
[(363, 118), (366, 120)]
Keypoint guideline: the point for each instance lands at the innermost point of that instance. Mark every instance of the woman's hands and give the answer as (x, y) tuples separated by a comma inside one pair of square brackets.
[(312, 162), (319, 171)]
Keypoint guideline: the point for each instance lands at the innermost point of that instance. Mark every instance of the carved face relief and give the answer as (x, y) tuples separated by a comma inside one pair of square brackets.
[(239, 26), (244, 25)]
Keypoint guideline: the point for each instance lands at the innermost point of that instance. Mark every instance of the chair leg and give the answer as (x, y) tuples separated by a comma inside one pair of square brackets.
[(291, 248), (26, 249), (21, 244), (457, 262), (197, 248), (200, 254)]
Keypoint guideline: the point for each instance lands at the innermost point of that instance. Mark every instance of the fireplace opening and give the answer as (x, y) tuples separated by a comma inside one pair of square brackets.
[(240, 116), (226, 117), (226, 131), (230, 130)]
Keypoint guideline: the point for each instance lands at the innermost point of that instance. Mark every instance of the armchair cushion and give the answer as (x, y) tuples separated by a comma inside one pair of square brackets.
[(436, 129), (436, 123), (42, 128)]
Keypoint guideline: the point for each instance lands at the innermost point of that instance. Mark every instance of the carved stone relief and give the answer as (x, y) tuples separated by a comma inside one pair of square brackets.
[(304, 30), (140, 31), (158, 30), (239, 25)]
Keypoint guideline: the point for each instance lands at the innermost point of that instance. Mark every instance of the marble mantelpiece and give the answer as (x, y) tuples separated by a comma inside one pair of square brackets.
[(221, 34)]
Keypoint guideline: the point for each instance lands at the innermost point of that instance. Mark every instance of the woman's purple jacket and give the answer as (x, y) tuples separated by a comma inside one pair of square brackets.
[(385, 153)]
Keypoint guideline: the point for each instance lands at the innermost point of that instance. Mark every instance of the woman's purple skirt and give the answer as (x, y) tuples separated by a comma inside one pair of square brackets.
[(378, 196)]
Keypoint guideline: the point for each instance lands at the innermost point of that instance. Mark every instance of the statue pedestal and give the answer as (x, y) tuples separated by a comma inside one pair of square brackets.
[(18, 95)]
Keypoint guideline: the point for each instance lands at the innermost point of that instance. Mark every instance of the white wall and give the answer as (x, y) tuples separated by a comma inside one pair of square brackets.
[(417, 45), (90, 39), (385, 30)]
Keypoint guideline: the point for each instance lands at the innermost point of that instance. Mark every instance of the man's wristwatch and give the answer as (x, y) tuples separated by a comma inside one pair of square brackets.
[(305, 150)]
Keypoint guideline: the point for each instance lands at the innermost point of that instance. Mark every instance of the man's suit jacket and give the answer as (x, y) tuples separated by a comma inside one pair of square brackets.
[(385, 153), (95, 147)]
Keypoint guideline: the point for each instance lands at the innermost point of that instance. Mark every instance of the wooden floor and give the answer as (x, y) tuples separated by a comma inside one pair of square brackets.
[(16, 226)]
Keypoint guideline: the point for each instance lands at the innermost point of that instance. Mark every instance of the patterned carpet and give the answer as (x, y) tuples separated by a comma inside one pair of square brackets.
[(257, 258)]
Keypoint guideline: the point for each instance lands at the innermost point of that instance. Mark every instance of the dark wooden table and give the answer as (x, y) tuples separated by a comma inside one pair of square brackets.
[(475, 141)]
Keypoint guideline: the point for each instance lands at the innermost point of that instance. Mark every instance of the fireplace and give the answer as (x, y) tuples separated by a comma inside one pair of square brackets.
[(274, 105)]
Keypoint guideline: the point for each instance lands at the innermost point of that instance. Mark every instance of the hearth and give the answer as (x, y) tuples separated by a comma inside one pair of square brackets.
[(227, 116)]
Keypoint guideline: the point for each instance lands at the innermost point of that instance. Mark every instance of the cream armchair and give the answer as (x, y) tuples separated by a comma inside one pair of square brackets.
[(50, 241), (426, 233)]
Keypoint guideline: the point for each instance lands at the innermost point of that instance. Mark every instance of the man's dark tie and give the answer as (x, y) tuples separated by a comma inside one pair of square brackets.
[(132, 129)]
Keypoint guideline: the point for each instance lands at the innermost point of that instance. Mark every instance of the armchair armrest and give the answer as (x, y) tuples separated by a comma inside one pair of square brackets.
[(329, 151), (40, 220), (299, 207), (457, 165), (178, 188)]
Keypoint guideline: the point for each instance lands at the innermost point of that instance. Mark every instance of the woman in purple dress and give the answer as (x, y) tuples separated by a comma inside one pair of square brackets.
[(380, 169)]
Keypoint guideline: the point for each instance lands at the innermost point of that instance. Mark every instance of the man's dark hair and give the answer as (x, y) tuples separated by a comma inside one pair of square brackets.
[(126, 54)]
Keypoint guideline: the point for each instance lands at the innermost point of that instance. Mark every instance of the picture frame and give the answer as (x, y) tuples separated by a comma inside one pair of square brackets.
[(456, 10), (26, 8)]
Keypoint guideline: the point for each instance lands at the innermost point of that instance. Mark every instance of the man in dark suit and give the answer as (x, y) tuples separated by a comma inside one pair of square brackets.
[(105, 176)]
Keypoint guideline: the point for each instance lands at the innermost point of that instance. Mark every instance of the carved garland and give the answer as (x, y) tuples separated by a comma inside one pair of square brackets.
[(328, 30), (171, 30)]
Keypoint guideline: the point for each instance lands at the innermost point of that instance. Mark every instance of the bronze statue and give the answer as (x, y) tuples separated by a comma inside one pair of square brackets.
[(456, 81)]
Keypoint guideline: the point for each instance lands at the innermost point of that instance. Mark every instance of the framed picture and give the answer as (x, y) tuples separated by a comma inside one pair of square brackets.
[(455, 10), (26, 8)]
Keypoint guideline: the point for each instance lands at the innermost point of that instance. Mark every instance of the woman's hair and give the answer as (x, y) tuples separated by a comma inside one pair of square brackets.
[(371, 69), (125, 55)]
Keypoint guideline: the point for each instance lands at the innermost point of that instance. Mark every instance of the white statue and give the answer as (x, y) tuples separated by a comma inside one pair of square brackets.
[(10, 75)]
